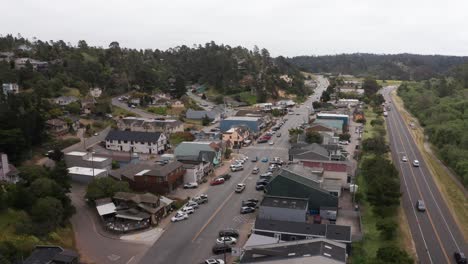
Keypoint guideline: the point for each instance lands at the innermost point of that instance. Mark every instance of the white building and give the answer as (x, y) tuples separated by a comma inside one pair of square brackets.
[(8, 172), (150, 125), (95, 92), (85, 175), (135, 141), (87, 159), (10, 88)]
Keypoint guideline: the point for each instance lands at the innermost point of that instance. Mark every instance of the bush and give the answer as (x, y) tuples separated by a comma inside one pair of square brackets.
[(345, 136), (158, 110), (392, 254), (387, 228)]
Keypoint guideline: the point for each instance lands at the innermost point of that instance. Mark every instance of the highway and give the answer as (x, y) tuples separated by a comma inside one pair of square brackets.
[(190, 241), (435, 232)]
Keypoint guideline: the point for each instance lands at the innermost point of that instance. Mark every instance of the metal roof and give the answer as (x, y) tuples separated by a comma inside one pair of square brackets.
[(152, 137)]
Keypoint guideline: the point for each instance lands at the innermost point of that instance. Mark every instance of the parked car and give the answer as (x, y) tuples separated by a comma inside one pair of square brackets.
[(228, 232), (255, 170), (226, 240), (240, 187), (278, 135), (191, 185), (237, 168), (213, 261), (459, 257), (247, 210), (266, 175), (420, 206), (192, 204), (343, 142), (255, 159), (260, 187), (404, 158), (262, 140), (416, 163), (201, 199), (221, 248), (217, 181), (263, 181), (179, 217), (252, 200), (249, 204), (271, 143), (226, 176), (187, 210), (265, 159)]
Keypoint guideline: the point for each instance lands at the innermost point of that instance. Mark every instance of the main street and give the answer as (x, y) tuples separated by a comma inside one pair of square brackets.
[(190, 241), (435, 232)]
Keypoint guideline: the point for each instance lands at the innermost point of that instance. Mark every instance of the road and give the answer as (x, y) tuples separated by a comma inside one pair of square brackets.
[(435, 232), (191, 241)]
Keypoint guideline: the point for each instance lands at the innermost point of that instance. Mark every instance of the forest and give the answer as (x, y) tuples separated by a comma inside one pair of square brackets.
[(385, 67), (441, 106)]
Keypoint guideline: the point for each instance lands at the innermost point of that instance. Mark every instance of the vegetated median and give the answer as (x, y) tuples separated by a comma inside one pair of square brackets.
[(386, 238), (453, 193)]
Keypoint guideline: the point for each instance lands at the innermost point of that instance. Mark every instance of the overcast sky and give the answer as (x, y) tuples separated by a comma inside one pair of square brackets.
[(288, 27)]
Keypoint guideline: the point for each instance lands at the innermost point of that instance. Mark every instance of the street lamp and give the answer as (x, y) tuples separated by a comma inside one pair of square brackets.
[(92, 161)]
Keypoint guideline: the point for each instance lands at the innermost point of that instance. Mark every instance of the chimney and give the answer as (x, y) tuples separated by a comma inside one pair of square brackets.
[(4, 169)]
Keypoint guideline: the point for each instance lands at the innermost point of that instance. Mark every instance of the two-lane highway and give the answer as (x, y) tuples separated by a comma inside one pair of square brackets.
[(435, 232)]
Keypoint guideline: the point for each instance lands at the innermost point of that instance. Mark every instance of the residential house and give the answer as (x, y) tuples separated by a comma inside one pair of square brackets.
[(177, 104), (10, 88), (339, 171), (52, 255), (200, 114), (283, 208), (293, 231), (255, 124), (286, 103), (236, 137), (197, 171), (312, 151), (8, 172), (134, 141), (264, 115), (153, 178), (85, 175), (21, 63), (87, 105), (57, 127), (87, 159), (336, 125), (319, 250), (65, 100), (147, 202), (198, 151), (286, 78), (6, 56), (166, 126), (95, 92), (321, 128)]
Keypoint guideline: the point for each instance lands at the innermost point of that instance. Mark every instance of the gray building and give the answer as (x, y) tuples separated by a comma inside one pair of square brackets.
[(87, 160), (284, 209), (200, 114)]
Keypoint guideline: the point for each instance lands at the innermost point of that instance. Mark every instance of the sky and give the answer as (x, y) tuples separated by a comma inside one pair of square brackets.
[(288, 27)]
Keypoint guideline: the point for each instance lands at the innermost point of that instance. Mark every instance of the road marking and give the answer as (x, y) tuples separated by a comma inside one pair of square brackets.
[(130, 260), (420, 194), (113, 257)]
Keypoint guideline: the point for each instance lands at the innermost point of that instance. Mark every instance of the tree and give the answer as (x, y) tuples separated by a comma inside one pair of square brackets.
[(206, 120), (47, 215), (179, 88), (344, 137), (227, 153), (392, 254), (73, 108), (60, 175), (105, 187), (370, 87), (43, 187), (387, 228), (57, 155), (115, 165), (29, 173), (313, 137)]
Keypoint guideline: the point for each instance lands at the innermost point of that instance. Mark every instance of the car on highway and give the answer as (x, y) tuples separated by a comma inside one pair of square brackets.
[(264, 159), (255, 170), (416, 163), (179, 217), (459, 257), (191, 185), (247, 210), (213, 261), (217, 181), (240, 187), (404, 158), (221, 248), (226, 240), (187, 210), (228, 232), (420, 206), (201, 199)]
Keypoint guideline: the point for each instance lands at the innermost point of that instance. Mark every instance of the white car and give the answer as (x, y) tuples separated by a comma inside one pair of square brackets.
[(190, 185), (187, 210), (226, 240), (404, 158), (179, 217), (416, 163), (271, 143), (343, 142), (214, 261), (192, 204)]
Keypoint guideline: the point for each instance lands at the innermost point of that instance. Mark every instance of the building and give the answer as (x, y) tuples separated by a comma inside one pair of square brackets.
[(135, 141), (65, 100), (318, 251), (312, 151), (21, 63), (85, 175), (322, 128), (197, 172), (87, 105), (283, 208), (140, 124), (153, 178), (52, 255), (348, 102), (255, 124), (200, 114), (336, 125), (287, 183), (236, 137), (57, 127), (286, 103), (10, 88), (95, 92), (177, 104), (198, 151), (87, 159), (154, 205), (344, 118), (8, 172)]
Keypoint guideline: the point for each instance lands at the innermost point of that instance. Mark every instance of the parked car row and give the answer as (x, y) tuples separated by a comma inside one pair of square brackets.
[(226, 238), (248, 206), (189, 208)]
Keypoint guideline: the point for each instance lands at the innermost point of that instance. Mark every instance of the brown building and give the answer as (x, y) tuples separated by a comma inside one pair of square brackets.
[(57, 127), (161, 179)]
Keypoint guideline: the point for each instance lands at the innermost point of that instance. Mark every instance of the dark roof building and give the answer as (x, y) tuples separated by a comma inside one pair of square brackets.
[(52, 255), (284, 208), (200, 114), (312, 151), (137, 136)]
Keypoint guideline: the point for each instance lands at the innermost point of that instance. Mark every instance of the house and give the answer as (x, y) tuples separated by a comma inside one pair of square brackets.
[(8, 172), (293, 231), (312, 151), (141, 124), (200, 114), (338, 171), (330, 116), (266, 117), (337, 125), (255, 124), (286, 103), (322, 128), (236, 136), (52, 255), (283, 208), (87, 159), (331, 181), (197, 151), (21, 63), (65, 100), (57, 127), (87, 105), (287, 183), (10, 88), (134, 141), (319, 250), (95, 92), (286, 78), (147, 202), (197, 171), (154, 178), (85, 175), (177, 104)]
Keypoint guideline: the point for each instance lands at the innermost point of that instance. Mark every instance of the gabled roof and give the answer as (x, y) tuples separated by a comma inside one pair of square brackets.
[(152, 137), (55, 122), (312, 151), (164, 170), (199, 114), (188, 148)]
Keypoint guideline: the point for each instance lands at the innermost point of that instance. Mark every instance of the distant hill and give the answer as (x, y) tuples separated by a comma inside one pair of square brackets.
[(399, 66)]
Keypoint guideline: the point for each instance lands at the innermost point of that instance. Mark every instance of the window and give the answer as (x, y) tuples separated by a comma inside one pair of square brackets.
[(120, 142), (348, 180), (125, 141), (293, 238)]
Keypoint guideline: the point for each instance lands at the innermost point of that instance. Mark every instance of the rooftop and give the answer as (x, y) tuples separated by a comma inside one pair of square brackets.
[(243, 118), (85, 171), (152, 137), (285, 202)]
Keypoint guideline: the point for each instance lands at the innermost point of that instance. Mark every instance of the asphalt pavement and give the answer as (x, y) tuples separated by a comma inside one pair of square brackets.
[(190, 241), (435, 232)]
